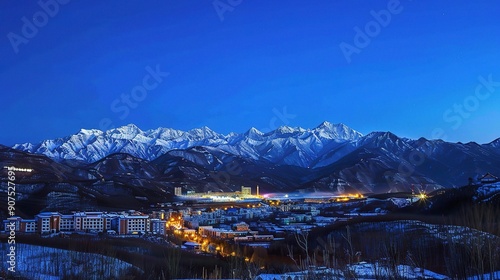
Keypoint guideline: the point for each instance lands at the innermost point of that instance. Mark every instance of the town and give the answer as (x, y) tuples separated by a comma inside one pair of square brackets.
[(244, 230), (203, 222)]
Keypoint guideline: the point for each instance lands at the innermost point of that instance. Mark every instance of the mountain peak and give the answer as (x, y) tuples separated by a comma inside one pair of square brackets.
[(129, 131), (382, 135), (333, 126), (337, 131), (254, 131), (84, 131), (203, 132), (204, 129), (285, 129), (127, 128), (325, 124)]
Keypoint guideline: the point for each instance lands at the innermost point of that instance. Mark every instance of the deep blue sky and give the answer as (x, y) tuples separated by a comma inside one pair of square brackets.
[(234, 72)]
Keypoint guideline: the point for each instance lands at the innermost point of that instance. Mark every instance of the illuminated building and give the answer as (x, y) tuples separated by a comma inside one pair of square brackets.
[(158, 226), (178, 191), (246, 190)]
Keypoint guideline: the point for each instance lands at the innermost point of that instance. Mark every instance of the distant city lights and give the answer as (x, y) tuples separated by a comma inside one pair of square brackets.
[(13, 168)]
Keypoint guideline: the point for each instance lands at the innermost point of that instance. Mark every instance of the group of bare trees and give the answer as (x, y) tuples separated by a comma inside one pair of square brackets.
[(408, 249)]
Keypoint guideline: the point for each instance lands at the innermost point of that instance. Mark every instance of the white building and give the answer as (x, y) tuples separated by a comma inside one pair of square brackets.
[(133, 224), (89, 221), (178, 191), (158, 226), (67, 223), (29, 226)]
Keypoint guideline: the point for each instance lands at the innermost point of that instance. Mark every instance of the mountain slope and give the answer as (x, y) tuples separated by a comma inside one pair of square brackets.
[(285, 145), (117, 181), (144, 166)]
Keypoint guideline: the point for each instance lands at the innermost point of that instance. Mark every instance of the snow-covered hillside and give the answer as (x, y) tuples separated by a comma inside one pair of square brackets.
[(38, 262), (488, 192)]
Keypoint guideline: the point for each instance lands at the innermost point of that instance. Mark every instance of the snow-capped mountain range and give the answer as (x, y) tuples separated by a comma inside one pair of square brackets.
[(285, 145), (323, 157), (128, 165)]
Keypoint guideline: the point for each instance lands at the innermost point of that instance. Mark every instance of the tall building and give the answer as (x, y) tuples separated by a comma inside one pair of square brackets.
[(178, 191), (257, 193)]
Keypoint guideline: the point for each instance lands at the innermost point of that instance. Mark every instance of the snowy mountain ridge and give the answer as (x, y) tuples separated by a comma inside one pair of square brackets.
[(284, 145)]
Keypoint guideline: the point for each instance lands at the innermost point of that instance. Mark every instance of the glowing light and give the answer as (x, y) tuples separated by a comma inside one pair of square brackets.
[(12, 168), (347, 197)]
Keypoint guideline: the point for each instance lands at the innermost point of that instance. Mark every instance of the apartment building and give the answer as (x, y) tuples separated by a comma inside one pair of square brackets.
[(52, 222), (132, 224), (48, 222), (158, 226)]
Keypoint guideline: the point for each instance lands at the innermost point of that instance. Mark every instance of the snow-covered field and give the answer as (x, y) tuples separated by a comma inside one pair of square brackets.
[(365, 271), (487, 192), (459, 234), (489, 276), (376, 271), (362, 270), (38, 262)]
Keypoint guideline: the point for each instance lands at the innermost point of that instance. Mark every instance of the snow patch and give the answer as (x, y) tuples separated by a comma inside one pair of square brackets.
[(39, 262)]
